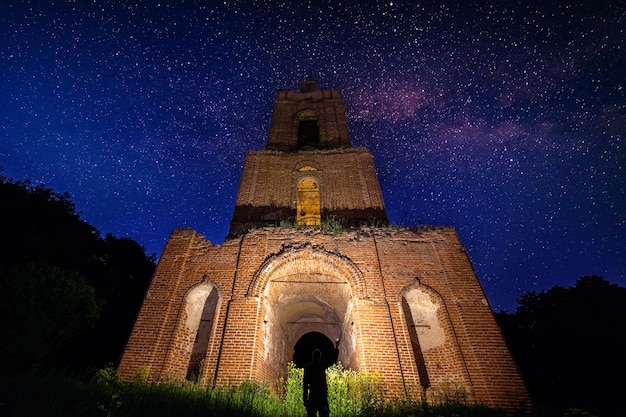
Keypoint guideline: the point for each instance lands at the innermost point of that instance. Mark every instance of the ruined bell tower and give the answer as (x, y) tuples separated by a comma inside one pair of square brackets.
[(310, 259), (308, 170)]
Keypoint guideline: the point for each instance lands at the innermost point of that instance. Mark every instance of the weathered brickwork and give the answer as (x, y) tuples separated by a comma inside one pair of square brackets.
[(347, 180), (404, 303), (325, 107), (277, 284)]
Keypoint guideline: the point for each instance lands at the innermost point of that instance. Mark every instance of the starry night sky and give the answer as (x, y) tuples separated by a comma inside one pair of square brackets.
[(506, 121)]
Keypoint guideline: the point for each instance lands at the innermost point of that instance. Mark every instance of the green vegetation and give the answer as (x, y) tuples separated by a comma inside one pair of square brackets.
[(331, 225), (289, 222), (350, 394)]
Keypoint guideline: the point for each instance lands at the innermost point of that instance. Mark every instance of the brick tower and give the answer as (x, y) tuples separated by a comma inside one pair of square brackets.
[(310, 260)]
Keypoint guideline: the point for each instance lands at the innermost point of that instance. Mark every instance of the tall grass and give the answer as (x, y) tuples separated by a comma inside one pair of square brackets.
[(350, 394)]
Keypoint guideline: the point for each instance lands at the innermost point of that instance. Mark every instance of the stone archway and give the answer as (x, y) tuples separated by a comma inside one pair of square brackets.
[(303, 291)]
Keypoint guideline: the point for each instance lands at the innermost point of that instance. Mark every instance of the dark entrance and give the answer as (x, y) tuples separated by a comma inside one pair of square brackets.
[(307, 344)]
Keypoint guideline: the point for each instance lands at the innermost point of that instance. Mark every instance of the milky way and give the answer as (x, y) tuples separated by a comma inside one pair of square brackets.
[(505, 121)]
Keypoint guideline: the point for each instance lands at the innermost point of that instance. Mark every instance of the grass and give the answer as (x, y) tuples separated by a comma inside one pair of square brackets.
[(350, 394)]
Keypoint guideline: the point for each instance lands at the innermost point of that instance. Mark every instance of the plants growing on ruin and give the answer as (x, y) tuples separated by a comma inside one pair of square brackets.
[(350, 394)]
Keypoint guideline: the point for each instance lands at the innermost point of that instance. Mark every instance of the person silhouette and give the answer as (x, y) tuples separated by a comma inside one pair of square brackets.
[(314, 385)]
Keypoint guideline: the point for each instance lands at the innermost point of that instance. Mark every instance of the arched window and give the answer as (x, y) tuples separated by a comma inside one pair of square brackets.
[(201, 305), (307, 168), (308, 203)]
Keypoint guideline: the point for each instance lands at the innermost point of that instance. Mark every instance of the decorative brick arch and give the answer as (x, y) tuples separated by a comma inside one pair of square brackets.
[(431, 331), (205, 286), (307, 113), (306, 165), (423, 297), (433, 293), (201, 302), (307, 259), (302, 290)]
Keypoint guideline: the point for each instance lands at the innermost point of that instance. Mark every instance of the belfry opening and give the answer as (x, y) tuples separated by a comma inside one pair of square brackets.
[(308, 134), (404, 302)]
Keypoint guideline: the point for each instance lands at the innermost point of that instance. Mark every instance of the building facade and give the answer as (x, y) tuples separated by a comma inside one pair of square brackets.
[(311, 261)]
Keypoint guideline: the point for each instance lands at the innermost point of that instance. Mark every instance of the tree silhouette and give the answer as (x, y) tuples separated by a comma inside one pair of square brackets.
[(569, 344), (43, 309), (39, 225)]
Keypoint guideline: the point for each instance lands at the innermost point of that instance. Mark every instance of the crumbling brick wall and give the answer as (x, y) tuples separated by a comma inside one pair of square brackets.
[(349, 188), (276, 284)]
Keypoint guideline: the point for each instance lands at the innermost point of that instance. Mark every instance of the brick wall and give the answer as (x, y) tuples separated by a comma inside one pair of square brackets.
[(276, 284), (324, 106), (347, 180)]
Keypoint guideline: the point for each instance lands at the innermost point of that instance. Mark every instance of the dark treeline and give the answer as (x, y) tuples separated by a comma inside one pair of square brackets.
[(570, 345), (69, 297)]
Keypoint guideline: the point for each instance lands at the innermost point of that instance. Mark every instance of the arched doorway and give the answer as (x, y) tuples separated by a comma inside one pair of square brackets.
[(308, 298), (300, 315), (308, 203)]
